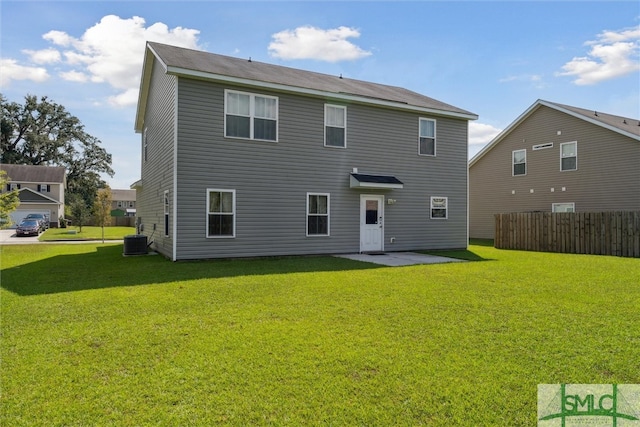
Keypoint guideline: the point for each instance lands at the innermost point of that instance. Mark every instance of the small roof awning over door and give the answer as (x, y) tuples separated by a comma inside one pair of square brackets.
[(359, 180)]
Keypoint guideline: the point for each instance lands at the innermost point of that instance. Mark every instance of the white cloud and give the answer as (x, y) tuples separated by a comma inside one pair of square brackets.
[(44, 56), (613, 54), (11, 70), (535, 80), (74, 76), (521, 78), (128, 97), (480, 135), (112, 52), (314, 43), (58, 37)]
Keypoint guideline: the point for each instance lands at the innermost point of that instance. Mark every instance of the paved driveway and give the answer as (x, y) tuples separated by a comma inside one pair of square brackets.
[(8, 237)]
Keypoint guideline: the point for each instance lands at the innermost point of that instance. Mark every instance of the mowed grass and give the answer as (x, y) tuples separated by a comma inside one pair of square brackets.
[(87, 233), (90, 337)]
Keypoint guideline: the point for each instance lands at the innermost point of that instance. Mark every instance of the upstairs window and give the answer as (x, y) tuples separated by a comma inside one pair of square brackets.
[(427, 139), (221, 209), (519, 159), (569, 156), (12, 187), (317, 214), (335, 126), (251, 116)]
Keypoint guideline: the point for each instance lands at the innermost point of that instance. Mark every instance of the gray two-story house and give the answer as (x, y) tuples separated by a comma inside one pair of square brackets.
[(556, 158), (242, 159)]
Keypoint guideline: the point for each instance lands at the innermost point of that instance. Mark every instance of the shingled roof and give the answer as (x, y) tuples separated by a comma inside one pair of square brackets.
[(36, 174), (626, 126), (187, 62)]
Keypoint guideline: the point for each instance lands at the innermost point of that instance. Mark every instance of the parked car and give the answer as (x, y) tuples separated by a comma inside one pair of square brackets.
[(29, 227), (44, 219)]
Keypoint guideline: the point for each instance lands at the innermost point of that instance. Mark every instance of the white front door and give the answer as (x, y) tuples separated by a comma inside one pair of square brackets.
[(371, 223)]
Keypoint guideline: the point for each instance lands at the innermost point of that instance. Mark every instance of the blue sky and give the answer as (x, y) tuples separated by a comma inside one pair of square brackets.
[(494, 59)]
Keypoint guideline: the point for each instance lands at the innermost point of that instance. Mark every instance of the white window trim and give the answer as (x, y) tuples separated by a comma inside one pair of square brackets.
[(233, 212), (252, 116), (306, 223), (435, 138), (344, 114), (446, 207), (513, 162), (554, 205), (576, 156), (145, 145), (165, 202)]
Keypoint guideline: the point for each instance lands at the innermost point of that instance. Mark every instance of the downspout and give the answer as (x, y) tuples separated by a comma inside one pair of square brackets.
[(174, 207)]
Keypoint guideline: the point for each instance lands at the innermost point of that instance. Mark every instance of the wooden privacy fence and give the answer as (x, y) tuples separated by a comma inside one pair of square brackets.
[(600, 233), (123, 221)]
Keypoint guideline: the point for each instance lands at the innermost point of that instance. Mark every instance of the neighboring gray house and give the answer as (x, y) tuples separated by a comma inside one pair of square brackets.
[(556, 158), (242, 158), (123, 202), (40, 189)]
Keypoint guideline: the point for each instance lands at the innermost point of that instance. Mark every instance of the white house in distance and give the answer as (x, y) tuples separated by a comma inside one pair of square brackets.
[(40, 189), (242, 158)]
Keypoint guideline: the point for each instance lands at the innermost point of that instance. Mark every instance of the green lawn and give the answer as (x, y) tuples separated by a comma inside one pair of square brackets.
[(87, 233), (90, 337)]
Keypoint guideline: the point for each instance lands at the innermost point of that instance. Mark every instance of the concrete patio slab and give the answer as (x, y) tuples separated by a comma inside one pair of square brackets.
[(398, 259)]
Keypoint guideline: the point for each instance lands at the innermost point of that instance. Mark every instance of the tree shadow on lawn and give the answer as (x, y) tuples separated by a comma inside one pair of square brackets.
[(107, 267)]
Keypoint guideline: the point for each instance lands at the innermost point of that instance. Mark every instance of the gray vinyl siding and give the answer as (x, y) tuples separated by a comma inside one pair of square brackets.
[(157, 171), (607, 178), (271, 180)]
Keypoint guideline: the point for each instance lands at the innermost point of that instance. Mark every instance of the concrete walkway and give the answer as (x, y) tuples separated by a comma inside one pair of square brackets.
[(398, 259)]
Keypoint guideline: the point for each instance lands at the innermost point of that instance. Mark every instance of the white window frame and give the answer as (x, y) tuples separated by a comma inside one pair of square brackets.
[(233, 213), (328, 125), (145, 145), (165, 202), (555, 206), (513, 162), (432, 207), (44, 188), (252, 114), (576, 156), (328, 215), (434, 137)]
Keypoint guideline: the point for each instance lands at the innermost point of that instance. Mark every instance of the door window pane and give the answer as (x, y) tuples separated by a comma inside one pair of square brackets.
[(371, 212)]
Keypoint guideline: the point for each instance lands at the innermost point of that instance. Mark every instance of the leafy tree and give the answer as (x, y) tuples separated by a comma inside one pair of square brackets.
[(79, 211), (41, 132), (9, 201), (102, 208)]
